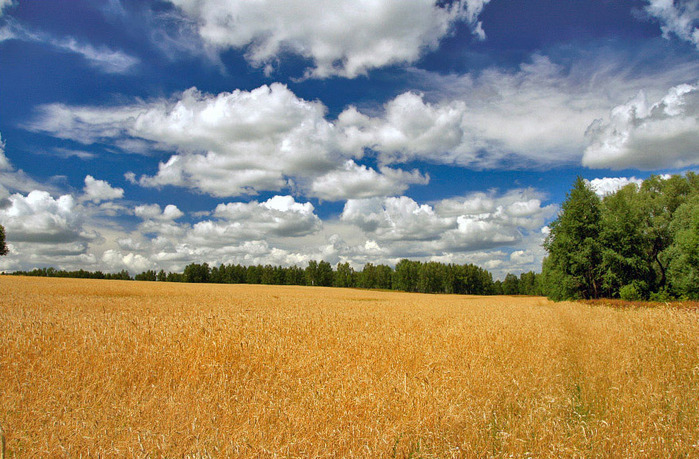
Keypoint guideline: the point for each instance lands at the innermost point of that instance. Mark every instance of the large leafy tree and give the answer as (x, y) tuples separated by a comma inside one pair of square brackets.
[(625, 245), (572, 268), (659, 199), (344, 275), (683, 269), (406, 275)]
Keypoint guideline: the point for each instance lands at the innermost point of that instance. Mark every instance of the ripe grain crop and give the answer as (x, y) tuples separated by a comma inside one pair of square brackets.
[(145, 369)]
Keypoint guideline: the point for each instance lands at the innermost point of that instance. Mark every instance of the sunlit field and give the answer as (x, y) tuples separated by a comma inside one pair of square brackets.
[(117, 368)]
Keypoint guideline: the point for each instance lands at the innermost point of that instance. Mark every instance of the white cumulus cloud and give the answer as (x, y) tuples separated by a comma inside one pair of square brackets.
[(230, 144), (358, 181), (475, 222), (644, 135), (99, 190), (535, 116), (154, 212), (341, 37), (608, 185), (38, 217), (279, 216)]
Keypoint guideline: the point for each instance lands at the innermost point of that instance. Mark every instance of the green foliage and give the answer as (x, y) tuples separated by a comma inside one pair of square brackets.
[(683, 268), (510, 286), (430, 277), (637, 243), (197, 273), (663, 296), (574, 246), (624, 253), (3, 246), (149, 275), (319, 273), (635, 291), (344, 276), (406, 275)]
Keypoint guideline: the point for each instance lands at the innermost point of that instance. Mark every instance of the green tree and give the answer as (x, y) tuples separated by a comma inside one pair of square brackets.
[(406, 275), (430, 277), (510, 286), (384, 275), (659, 199), (624, 243), (528, 283), (312, 273), (149, 275), (295, 276), (572, 268), (368, 276), (326, 275), (344, 275), (683, 269), (197, 273), (3, 246)]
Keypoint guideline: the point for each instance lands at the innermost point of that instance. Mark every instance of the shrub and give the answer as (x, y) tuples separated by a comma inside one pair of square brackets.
[(635, 291), (661, 297)]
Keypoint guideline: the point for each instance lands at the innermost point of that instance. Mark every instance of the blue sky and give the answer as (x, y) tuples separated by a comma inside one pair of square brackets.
[(151, 134)]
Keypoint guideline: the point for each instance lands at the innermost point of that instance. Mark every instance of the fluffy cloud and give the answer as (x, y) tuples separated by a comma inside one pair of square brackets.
[(410, 129), (678, 17), (115, 260), (229, 144), (101, 58), (343, 37), (40, 218), (638, 134), (154, 212), (236, 228), (99, 190), (401, 226), (237, 143), (399, 218), (248, 233), (279, 216), (43, 231), (535, 116), (268, 139), (355, 181), (4, 167), (608, 185)]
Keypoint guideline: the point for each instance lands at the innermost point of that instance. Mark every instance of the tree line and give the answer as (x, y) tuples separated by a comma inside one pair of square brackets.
[(641, 242), (408, 276)]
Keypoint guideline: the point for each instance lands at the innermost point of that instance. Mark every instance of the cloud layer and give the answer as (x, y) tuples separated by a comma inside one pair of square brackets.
[(268, 139)]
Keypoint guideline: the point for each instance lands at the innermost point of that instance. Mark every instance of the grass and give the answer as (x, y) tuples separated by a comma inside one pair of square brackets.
[(113, 368)]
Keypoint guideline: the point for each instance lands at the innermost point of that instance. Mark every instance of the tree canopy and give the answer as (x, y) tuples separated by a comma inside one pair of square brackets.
[(637, 243)]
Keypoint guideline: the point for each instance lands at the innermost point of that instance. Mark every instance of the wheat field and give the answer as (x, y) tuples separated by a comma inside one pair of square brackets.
[(94, 368)]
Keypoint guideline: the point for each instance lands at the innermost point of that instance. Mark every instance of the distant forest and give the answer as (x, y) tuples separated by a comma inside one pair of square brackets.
[(408, 276), (639, 243)]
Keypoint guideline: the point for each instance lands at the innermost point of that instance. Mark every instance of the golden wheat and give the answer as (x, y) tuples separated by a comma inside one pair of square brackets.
[(112, 368)]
